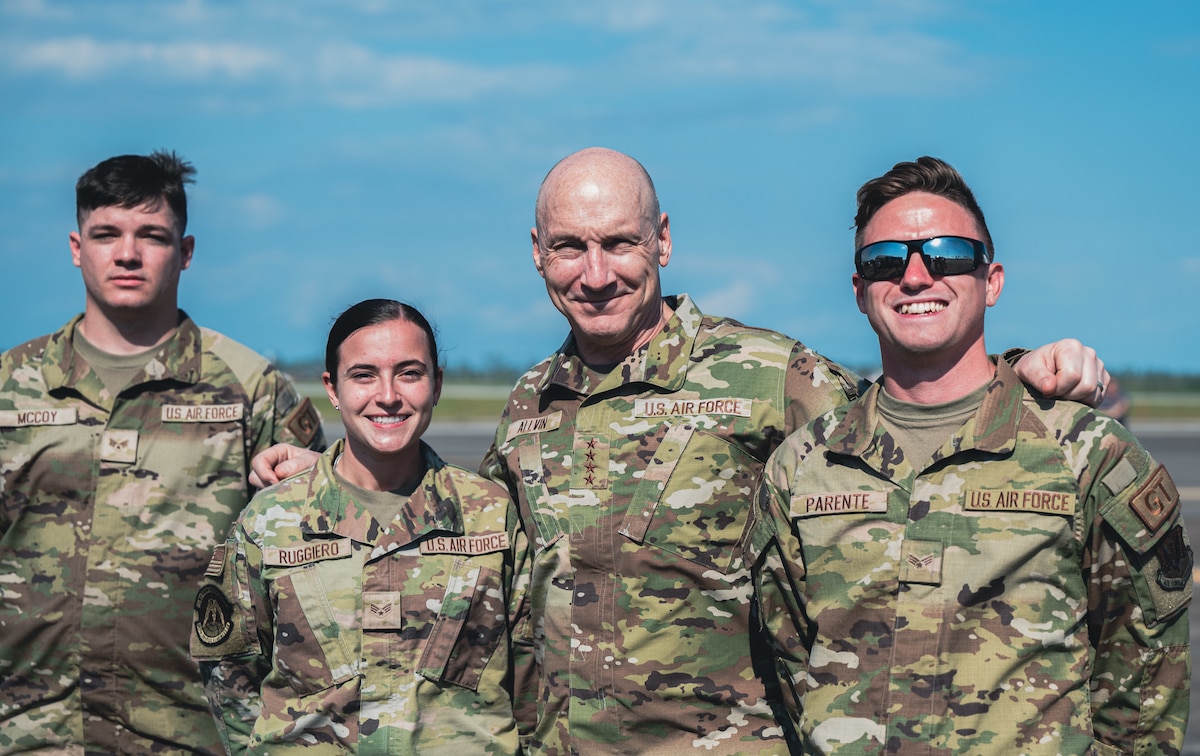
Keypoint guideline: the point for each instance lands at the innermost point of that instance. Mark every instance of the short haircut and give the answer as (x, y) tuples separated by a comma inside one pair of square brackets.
[(927, 174), (131, 181), (371, 312)]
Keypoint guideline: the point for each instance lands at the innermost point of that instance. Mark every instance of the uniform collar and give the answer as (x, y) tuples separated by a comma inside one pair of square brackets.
[(992, 429), (178, 359), (331, 509), (662, 362)]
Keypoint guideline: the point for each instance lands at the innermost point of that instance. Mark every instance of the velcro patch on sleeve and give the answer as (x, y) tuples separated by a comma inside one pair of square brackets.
[(304, 422), (1156, 501), (1168, 575), (216, 565)]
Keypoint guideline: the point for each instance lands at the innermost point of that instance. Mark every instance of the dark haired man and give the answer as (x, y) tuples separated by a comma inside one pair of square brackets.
[(954, 563), (125, 441), (632, 452)]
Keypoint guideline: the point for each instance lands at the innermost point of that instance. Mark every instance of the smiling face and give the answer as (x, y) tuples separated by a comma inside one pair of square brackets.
[(925, 320), (131, 259), (386, 386), (598, 244)]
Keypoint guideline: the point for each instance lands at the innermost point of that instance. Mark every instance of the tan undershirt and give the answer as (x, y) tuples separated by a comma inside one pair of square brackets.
[(921, 429), (384, 506), (114, 370)]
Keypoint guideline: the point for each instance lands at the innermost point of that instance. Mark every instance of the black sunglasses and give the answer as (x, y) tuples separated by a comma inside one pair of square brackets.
[(942, 255)]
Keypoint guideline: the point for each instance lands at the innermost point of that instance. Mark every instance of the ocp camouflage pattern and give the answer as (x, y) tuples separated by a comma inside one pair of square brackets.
[(1024, 593), (109, 510), (323, 629), (638, 489)]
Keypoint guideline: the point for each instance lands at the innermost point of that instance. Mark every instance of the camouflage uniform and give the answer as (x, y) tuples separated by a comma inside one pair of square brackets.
[(1023, 593), (109, 510), (321, 628), (639, 488)]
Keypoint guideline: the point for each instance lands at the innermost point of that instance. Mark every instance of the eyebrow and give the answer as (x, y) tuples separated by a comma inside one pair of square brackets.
[(140, 229), (372, 366)]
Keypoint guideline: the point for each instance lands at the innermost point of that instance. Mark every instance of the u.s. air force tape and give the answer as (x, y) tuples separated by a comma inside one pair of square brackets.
[(214, 616)]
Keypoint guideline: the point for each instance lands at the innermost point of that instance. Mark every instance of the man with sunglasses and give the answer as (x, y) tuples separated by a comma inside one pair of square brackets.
[(632, 452), (953, 563)]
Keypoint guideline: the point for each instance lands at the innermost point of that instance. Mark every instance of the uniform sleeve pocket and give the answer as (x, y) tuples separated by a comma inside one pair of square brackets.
[(469, 627)]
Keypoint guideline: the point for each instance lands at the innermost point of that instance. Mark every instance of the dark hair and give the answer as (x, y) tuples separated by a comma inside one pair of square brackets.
[(371, 312), (134, 180), (927, 174)]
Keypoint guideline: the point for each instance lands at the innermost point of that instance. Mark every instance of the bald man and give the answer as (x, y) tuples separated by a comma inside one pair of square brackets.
[(633, 452)]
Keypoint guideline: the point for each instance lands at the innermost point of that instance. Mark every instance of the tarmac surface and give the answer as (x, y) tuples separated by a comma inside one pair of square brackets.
[(1175, 445)]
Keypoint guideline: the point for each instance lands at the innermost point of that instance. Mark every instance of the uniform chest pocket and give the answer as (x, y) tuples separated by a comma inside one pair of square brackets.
[(471, 623), (316, 624), (694, 498)]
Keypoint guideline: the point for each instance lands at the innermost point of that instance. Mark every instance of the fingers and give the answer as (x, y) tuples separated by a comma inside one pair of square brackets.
[(264, 466)]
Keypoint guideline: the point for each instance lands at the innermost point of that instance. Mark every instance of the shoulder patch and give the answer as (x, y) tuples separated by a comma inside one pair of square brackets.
[(214, 617), (1174, 561), (1168, 576), (1156, 501), (304, 422)]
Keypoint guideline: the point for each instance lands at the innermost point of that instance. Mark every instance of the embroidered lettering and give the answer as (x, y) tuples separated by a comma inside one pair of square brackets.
[(201, 413), (466, 545), (26, 417), (845, 502)]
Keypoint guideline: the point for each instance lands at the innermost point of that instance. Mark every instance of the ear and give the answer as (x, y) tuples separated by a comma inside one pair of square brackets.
[(330, 389), (187, 245), (437, 387), (76, 247), (860, 292), (995, 282), (664, 240), (537, 252)]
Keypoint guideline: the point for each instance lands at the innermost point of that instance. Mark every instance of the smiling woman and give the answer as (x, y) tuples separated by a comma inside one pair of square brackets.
[(371, 578)]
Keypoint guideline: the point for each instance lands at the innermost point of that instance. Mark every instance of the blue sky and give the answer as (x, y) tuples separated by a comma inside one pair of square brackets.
[(366, 148)]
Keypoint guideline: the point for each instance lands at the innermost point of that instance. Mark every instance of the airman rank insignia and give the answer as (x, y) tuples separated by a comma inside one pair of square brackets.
[(119, 446), (214, 616), (304, 422), (1155, 502)]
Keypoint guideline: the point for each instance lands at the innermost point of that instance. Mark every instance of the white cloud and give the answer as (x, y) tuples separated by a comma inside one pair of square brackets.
[(82, 58)]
